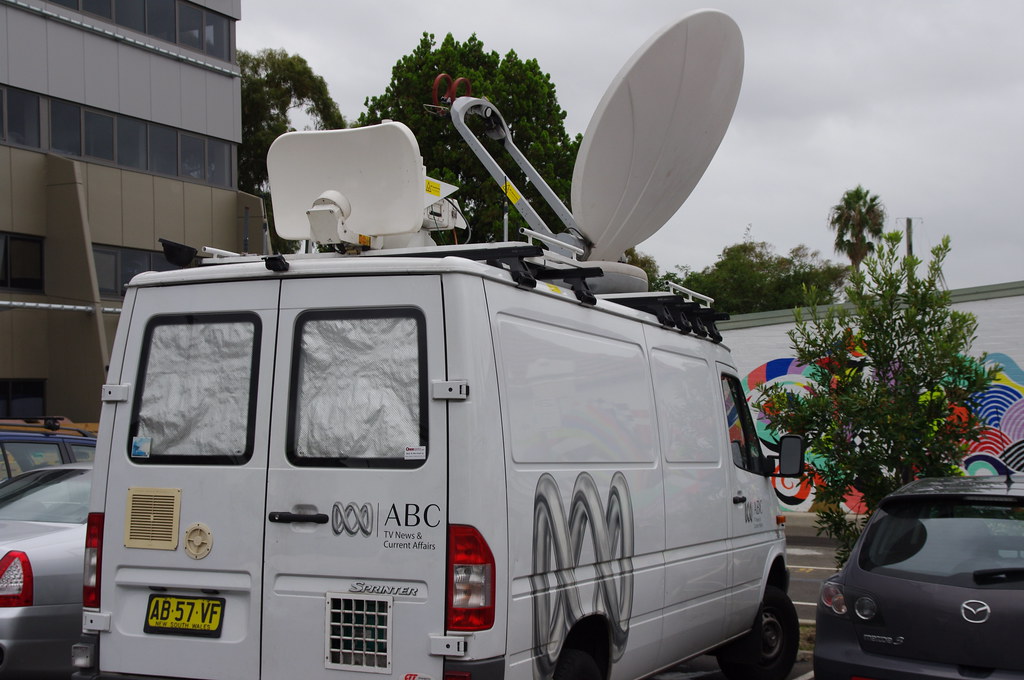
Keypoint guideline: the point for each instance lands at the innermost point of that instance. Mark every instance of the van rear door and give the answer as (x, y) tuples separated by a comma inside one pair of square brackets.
[(354, 560), (185, 494)]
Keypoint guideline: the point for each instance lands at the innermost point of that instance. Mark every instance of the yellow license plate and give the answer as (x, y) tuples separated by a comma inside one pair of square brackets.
[(173, 615)]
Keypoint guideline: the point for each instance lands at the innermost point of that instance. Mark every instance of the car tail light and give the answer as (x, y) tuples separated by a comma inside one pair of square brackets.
[(833, 598), (93, 560), (15, 580), (470, 580)]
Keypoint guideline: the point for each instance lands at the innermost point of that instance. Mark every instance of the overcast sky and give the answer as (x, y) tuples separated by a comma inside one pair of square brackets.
[(920, 101)]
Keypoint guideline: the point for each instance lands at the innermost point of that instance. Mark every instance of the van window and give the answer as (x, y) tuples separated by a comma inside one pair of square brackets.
[(686, 417), (743, 442), (359, 389), (197, 398)]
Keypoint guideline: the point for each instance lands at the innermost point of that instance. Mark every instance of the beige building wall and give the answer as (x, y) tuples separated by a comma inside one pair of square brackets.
[(74, 205)]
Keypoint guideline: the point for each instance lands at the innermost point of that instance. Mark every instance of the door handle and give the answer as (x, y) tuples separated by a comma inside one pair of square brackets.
[(288, 517), (736, 500)]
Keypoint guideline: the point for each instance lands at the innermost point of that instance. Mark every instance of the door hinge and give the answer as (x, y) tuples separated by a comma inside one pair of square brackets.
[(457, 390), (115, 393), (98, 622), (447, 645)]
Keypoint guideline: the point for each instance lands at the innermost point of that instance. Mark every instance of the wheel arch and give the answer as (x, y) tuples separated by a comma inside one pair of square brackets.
[(592, 635)]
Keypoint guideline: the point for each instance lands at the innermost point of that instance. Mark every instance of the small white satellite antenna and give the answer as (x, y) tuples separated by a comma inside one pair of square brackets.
[(655, 131), (347, 186)]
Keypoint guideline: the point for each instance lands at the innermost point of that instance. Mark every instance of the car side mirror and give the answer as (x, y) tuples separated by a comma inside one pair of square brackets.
[(791, 456)]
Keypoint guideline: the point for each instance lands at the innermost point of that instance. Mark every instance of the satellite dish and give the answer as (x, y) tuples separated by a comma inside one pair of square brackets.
[(367, 181), (655, 131)]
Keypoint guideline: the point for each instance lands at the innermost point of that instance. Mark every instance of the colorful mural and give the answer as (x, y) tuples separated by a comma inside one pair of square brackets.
[(1000, 451)]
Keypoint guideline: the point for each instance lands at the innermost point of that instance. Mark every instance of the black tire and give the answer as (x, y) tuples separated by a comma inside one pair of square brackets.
[(780, 638), (575, 664)]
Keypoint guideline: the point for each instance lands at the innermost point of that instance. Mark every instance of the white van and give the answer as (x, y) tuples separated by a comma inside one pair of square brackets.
[(424, 463)]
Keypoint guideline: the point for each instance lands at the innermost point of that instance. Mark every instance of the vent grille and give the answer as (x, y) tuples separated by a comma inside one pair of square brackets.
[(358, 633), (152, 518)]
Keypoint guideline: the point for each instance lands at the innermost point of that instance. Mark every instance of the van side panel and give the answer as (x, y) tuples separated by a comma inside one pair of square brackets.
[(585, 505), (696, 501)]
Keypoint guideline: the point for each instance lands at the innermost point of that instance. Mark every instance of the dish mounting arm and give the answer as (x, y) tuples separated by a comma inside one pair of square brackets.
[(497, 129)]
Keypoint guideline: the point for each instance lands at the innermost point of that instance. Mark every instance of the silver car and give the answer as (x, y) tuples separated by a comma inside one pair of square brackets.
[(42, 545)]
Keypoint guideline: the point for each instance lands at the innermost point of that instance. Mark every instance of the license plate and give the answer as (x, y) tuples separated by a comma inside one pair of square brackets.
[(173, 615)]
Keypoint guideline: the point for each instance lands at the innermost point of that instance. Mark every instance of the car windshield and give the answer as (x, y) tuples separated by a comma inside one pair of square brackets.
[(970, 542), (57, 495)]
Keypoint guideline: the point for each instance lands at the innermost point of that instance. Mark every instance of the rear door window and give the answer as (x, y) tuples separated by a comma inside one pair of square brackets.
[(358, 390), (197, 398)]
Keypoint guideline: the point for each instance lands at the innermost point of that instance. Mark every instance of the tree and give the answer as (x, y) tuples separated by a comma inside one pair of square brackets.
[(858, 221), (891, 397), (523, 94), (274, 83), (751, 277)]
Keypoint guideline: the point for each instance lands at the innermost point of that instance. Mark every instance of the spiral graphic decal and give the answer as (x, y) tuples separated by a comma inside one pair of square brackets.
[(352, 519), (558, 542)]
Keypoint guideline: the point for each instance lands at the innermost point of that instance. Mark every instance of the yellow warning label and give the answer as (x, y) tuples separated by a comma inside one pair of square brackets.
[(433, 188), (511, 192), (364, 240), (554, 289)]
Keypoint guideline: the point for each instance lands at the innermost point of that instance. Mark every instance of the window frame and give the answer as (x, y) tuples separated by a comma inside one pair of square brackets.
[(423, 393), (254, 365)]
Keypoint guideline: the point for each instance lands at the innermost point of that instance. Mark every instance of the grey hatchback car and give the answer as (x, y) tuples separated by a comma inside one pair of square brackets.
[(934, 588)]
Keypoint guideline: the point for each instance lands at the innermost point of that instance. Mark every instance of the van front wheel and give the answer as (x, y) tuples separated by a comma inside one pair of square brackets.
[(575, 664), (780, 632)]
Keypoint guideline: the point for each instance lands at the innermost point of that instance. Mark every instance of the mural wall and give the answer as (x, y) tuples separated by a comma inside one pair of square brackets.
[(760, 345)]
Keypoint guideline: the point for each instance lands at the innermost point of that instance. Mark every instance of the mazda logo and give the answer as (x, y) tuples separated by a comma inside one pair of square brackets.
[(352, 519), (975, 611)]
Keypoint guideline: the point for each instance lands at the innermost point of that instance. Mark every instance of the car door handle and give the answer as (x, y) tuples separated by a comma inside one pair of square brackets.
[(288, 517), (736, 500)]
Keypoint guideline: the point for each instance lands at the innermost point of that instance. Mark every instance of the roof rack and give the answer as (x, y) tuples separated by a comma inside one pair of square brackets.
[(527, 264), (51, 424), (682, 308)]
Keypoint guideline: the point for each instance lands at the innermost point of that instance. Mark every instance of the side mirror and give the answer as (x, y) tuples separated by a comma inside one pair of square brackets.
[(791, 456)]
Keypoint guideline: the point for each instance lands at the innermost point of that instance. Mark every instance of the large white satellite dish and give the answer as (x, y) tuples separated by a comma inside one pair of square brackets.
[(377, 170), (655, 131)]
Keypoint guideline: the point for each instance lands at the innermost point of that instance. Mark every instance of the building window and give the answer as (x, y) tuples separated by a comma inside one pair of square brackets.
[(99, 135), (132, 145), (131, 14), (65, 127), (22, 118), (218, 163), (101, 8), (22, 398), (218, 36), (115, 267), (163, 150), (190, 26), (193, 157), (21, 262), (160, 19)]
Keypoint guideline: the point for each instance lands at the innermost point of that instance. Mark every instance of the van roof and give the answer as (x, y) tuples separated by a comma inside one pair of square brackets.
[(517, 264)]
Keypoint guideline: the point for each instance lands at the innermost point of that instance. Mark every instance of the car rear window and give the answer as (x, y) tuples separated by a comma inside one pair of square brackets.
[(60, 495), (24, 456), (966, 542)]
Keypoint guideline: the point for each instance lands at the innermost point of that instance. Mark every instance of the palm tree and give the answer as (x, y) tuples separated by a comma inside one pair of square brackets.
[(858, 220)]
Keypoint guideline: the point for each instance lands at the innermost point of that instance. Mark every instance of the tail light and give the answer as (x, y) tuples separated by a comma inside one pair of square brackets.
[(15, 580), (470, 580), (833, 598), (93, 560)]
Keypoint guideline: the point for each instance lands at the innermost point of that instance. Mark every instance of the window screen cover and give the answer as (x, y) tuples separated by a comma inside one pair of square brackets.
[(359, 389), (197, 399)]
